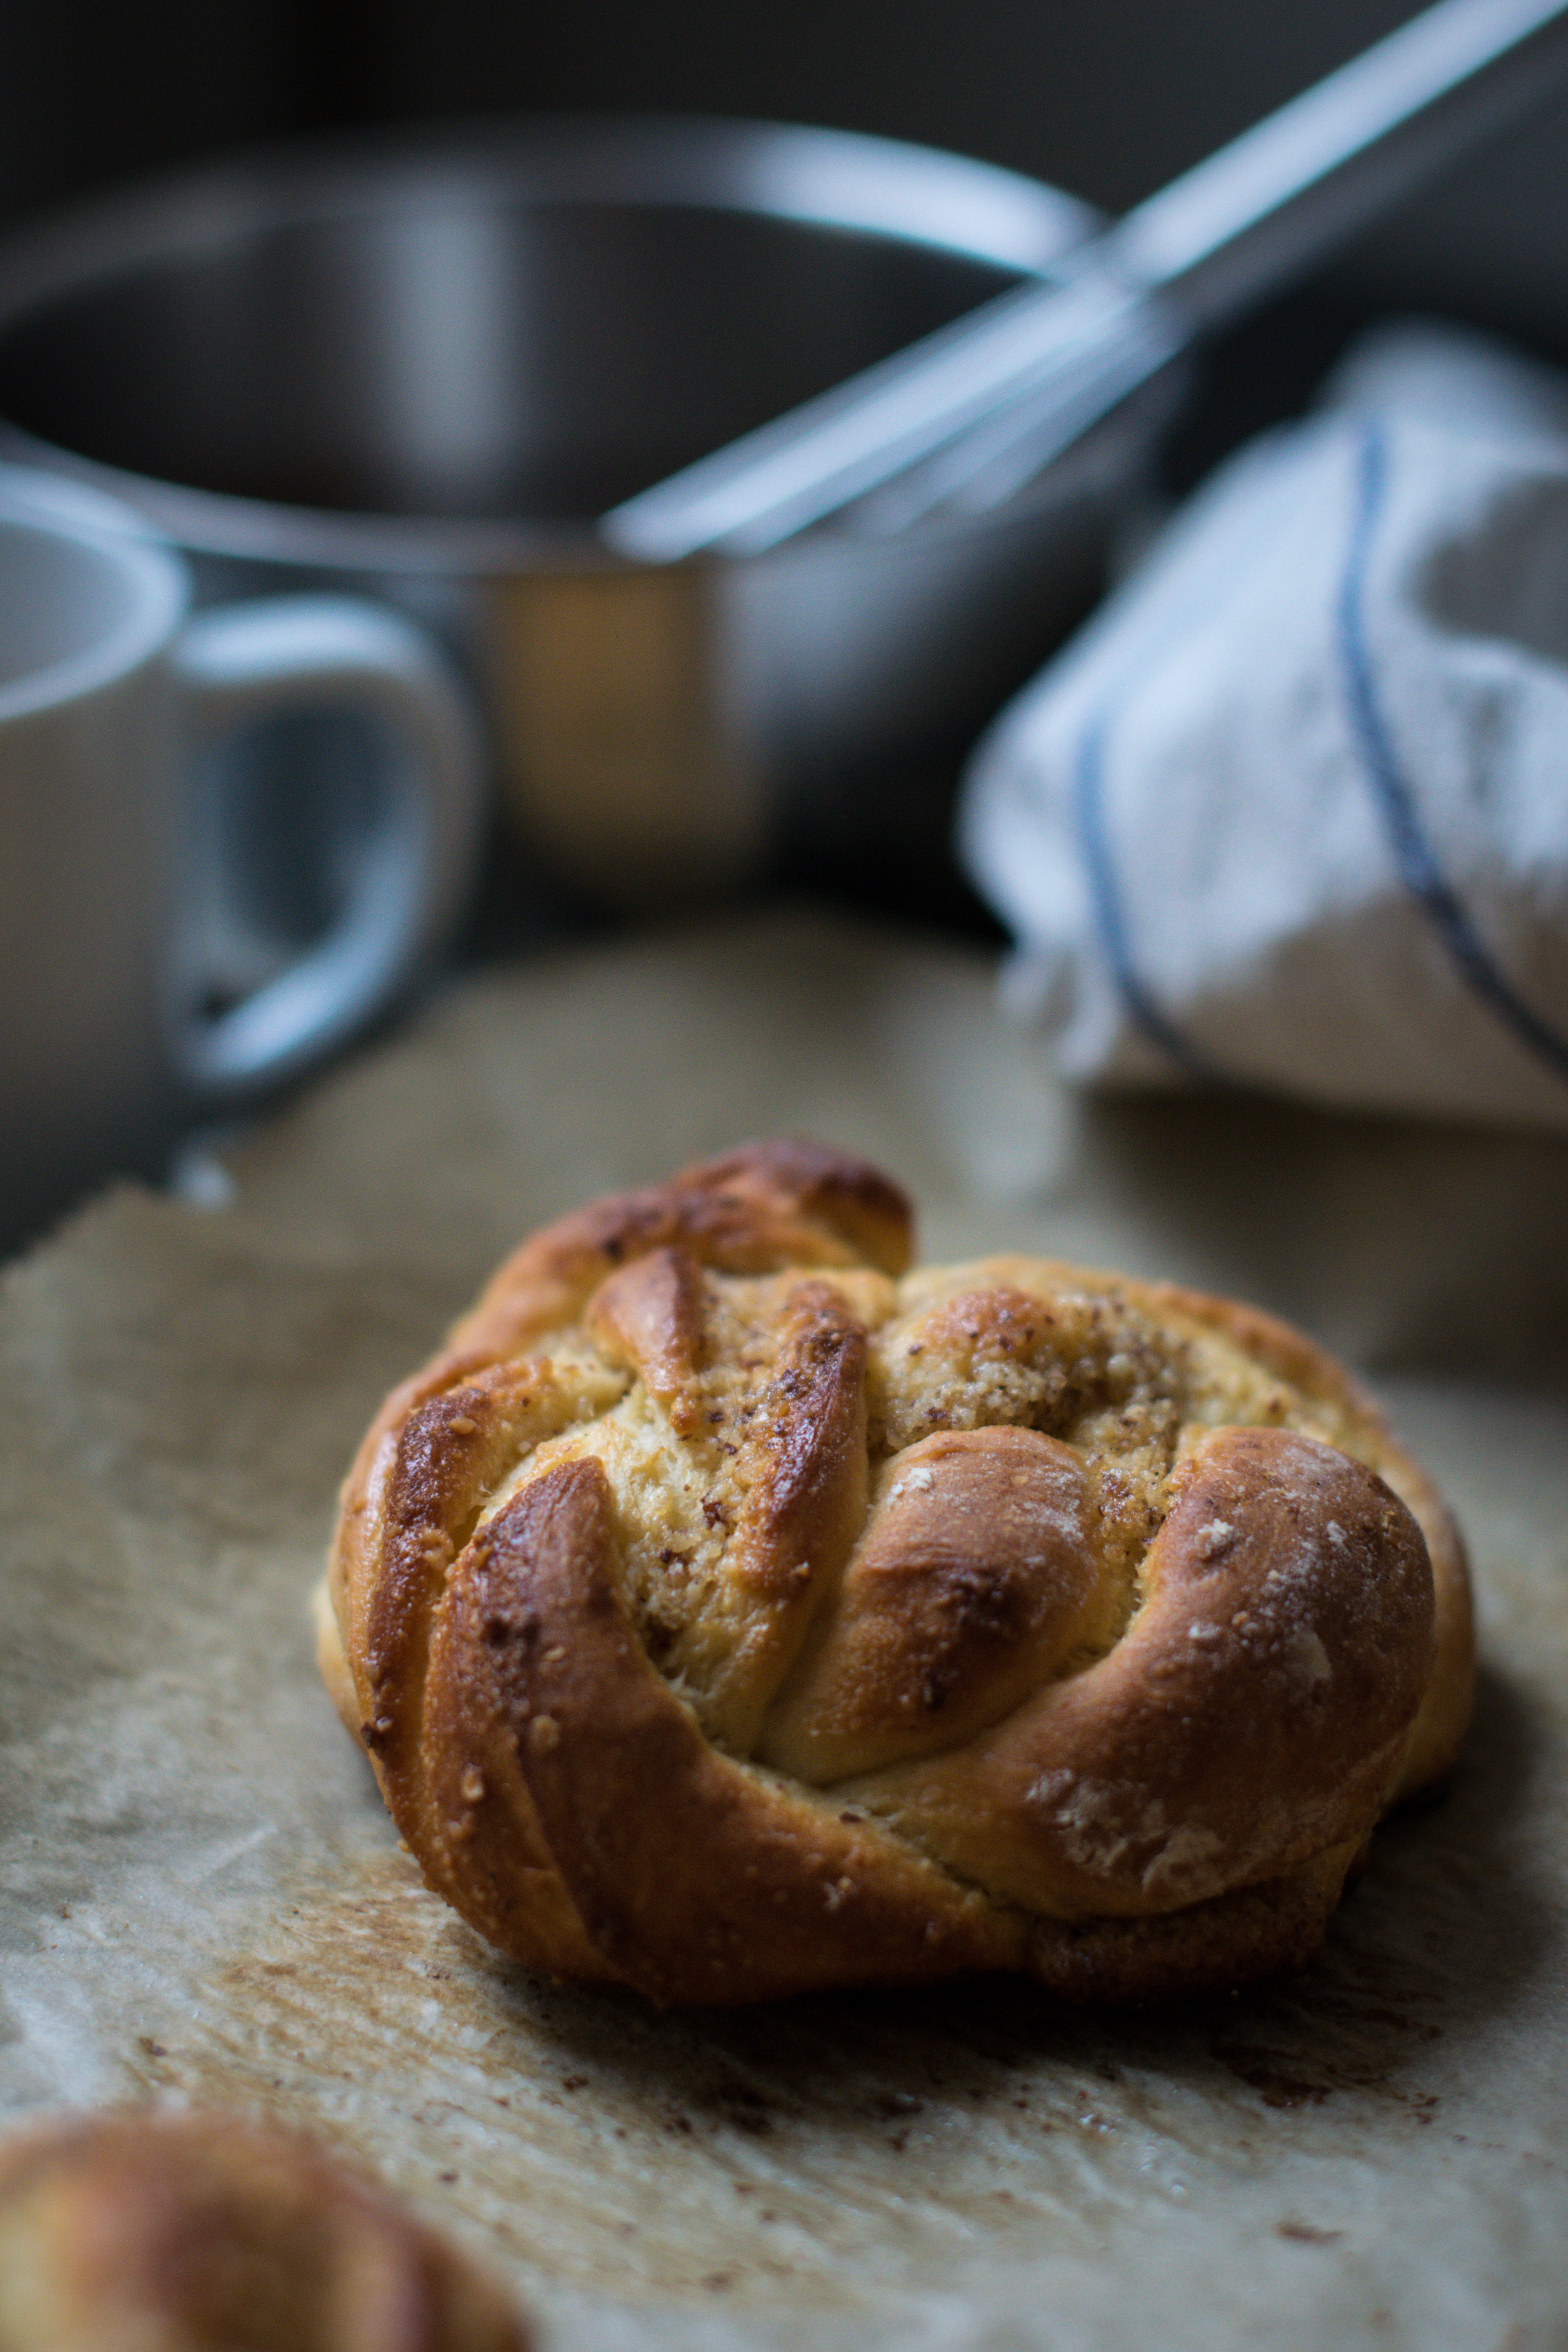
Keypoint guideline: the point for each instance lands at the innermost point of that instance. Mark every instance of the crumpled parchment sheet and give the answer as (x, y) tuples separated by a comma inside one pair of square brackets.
[(201, 1894)]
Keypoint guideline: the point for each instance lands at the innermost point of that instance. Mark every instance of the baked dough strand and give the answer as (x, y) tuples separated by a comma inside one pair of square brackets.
[(727, 1611)]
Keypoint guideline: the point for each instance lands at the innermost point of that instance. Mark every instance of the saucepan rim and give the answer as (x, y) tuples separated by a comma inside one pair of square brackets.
[(923, 195)]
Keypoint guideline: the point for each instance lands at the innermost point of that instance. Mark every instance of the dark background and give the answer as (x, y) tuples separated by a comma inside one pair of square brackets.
[(1107, 97)]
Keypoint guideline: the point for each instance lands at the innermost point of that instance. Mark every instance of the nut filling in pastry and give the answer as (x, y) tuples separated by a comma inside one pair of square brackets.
[(727, 1611)]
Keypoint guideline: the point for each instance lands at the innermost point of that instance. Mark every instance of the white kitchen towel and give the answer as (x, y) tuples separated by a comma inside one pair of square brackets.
[(1292, 810)]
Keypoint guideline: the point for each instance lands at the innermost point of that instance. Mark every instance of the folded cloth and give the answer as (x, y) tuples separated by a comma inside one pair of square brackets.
[(1292, 810)]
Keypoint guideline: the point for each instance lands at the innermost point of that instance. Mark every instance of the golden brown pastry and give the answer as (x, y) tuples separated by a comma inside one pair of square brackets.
[(727, 1611), (131, 2231)]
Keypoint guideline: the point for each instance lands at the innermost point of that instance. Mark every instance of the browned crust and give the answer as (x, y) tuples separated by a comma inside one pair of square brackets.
[(691, 1876), (756, 1210), (202, 2231), (1253, 1715), (1233, 1939), (1445, 1714), (651, 1313), (973, 1583), (805, 1509), (1440, 1726), (1162, 1814)]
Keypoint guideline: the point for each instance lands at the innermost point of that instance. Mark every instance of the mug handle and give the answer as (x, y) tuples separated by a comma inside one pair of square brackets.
[(244, 662)]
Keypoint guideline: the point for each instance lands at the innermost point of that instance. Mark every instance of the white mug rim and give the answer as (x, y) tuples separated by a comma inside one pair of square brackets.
[(160, 591)]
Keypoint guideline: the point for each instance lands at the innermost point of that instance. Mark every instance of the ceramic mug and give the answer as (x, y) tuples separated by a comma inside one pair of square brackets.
[(137, 990)]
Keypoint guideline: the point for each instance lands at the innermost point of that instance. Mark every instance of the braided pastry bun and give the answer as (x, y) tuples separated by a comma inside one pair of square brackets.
[(727, 1611), (129, 2232)]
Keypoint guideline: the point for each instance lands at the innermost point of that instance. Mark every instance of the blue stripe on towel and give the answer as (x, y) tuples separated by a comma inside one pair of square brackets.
[(1225, 554), (1417, 865), (1089, 800)]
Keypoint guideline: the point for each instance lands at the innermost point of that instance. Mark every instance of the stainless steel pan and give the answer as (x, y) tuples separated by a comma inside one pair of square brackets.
[(423, 372)]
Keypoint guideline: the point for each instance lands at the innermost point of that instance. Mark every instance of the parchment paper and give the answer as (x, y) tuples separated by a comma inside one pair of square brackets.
[(202, 1896)]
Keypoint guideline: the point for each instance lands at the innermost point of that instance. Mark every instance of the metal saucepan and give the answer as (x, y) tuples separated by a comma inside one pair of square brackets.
[(421, 373)]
